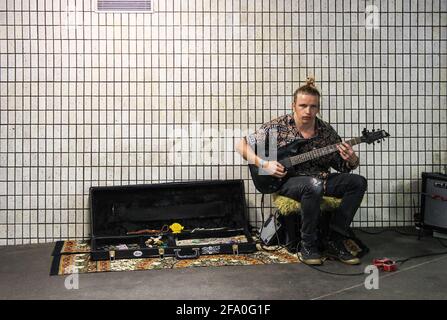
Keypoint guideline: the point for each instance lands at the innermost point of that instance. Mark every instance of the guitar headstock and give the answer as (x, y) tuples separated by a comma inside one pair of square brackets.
[(373, 136)]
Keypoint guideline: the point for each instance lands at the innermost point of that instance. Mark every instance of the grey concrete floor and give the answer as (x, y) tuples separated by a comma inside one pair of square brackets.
[(24, 274)]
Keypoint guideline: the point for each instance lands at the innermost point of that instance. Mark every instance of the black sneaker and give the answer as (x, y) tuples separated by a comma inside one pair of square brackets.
[(309, 253), (337, 250)]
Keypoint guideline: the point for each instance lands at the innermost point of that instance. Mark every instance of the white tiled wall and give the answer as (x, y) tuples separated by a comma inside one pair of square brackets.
[(93, 99)]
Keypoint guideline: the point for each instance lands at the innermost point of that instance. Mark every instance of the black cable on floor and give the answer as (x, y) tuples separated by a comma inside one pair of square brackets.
[(262, 213), (388, 230), (372, 233), (402, 261), (406, 233)]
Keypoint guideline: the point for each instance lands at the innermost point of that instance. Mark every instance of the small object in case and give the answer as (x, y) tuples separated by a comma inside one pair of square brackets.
[(176, 227), (185, 220)]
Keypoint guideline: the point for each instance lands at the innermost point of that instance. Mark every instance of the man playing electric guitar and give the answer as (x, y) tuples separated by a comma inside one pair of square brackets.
[(314, 179)]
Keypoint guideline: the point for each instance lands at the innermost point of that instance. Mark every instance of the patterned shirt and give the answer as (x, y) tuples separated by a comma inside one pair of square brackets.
[(287, 132)]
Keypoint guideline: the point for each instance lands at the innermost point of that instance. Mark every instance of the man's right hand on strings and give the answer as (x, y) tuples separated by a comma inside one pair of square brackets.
[(275, 169)]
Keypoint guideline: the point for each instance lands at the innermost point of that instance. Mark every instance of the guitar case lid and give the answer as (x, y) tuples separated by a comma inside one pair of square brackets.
[(117, 210)]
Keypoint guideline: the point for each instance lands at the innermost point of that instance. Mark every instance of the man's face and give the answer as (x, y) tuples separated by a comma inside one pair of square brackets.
[(306, 108)]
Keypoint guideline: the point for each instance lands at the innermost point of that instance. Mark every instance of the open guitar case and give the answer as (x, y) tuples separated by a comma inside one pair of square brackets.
[(183, 219)]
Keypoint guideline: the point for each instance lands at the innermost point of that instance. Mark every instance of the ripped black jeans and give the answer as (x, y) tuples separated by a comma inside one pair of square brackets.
[(309, 191)]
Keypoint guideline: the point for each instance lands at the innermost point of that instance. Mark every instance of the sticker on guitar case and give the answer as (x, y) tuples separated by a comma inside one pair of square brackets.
[(211, 250), (137, 253)]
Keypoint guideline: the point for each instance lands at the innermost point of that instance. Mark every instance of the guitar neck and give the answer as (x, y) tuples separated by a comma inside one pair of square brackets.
[(317, 153)]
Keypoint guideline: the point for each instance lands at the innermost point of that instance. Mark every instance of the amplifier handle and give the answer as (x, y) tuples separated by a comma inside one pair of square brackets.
[(195, 255)]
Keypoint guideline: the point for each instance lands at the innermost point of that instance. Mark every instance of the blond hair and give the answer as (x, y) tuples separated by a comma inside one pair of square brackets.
[(308, 88)]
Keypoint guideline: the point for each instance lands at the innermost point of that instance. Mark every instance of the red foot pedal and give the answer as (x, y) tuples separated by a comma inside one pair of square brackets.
[(385, 264)]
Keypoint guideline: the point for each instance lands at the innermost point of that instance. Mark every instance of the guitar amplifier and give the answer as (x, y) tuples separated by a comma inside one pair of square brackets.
[(434, 201)]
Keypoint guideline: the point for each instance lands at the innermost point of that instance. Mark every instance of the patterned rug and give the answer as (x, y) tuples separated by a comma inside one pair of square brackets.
[(74, 257)]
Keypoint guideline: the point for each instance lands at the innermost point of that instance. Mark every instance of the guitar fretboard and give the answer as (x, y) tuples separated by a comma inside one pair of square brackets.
[(317, 153)]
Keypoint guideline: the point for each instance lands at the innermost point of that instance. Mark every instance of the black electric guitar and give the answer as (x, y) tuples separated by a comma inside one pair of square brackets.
[(289, 156)]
